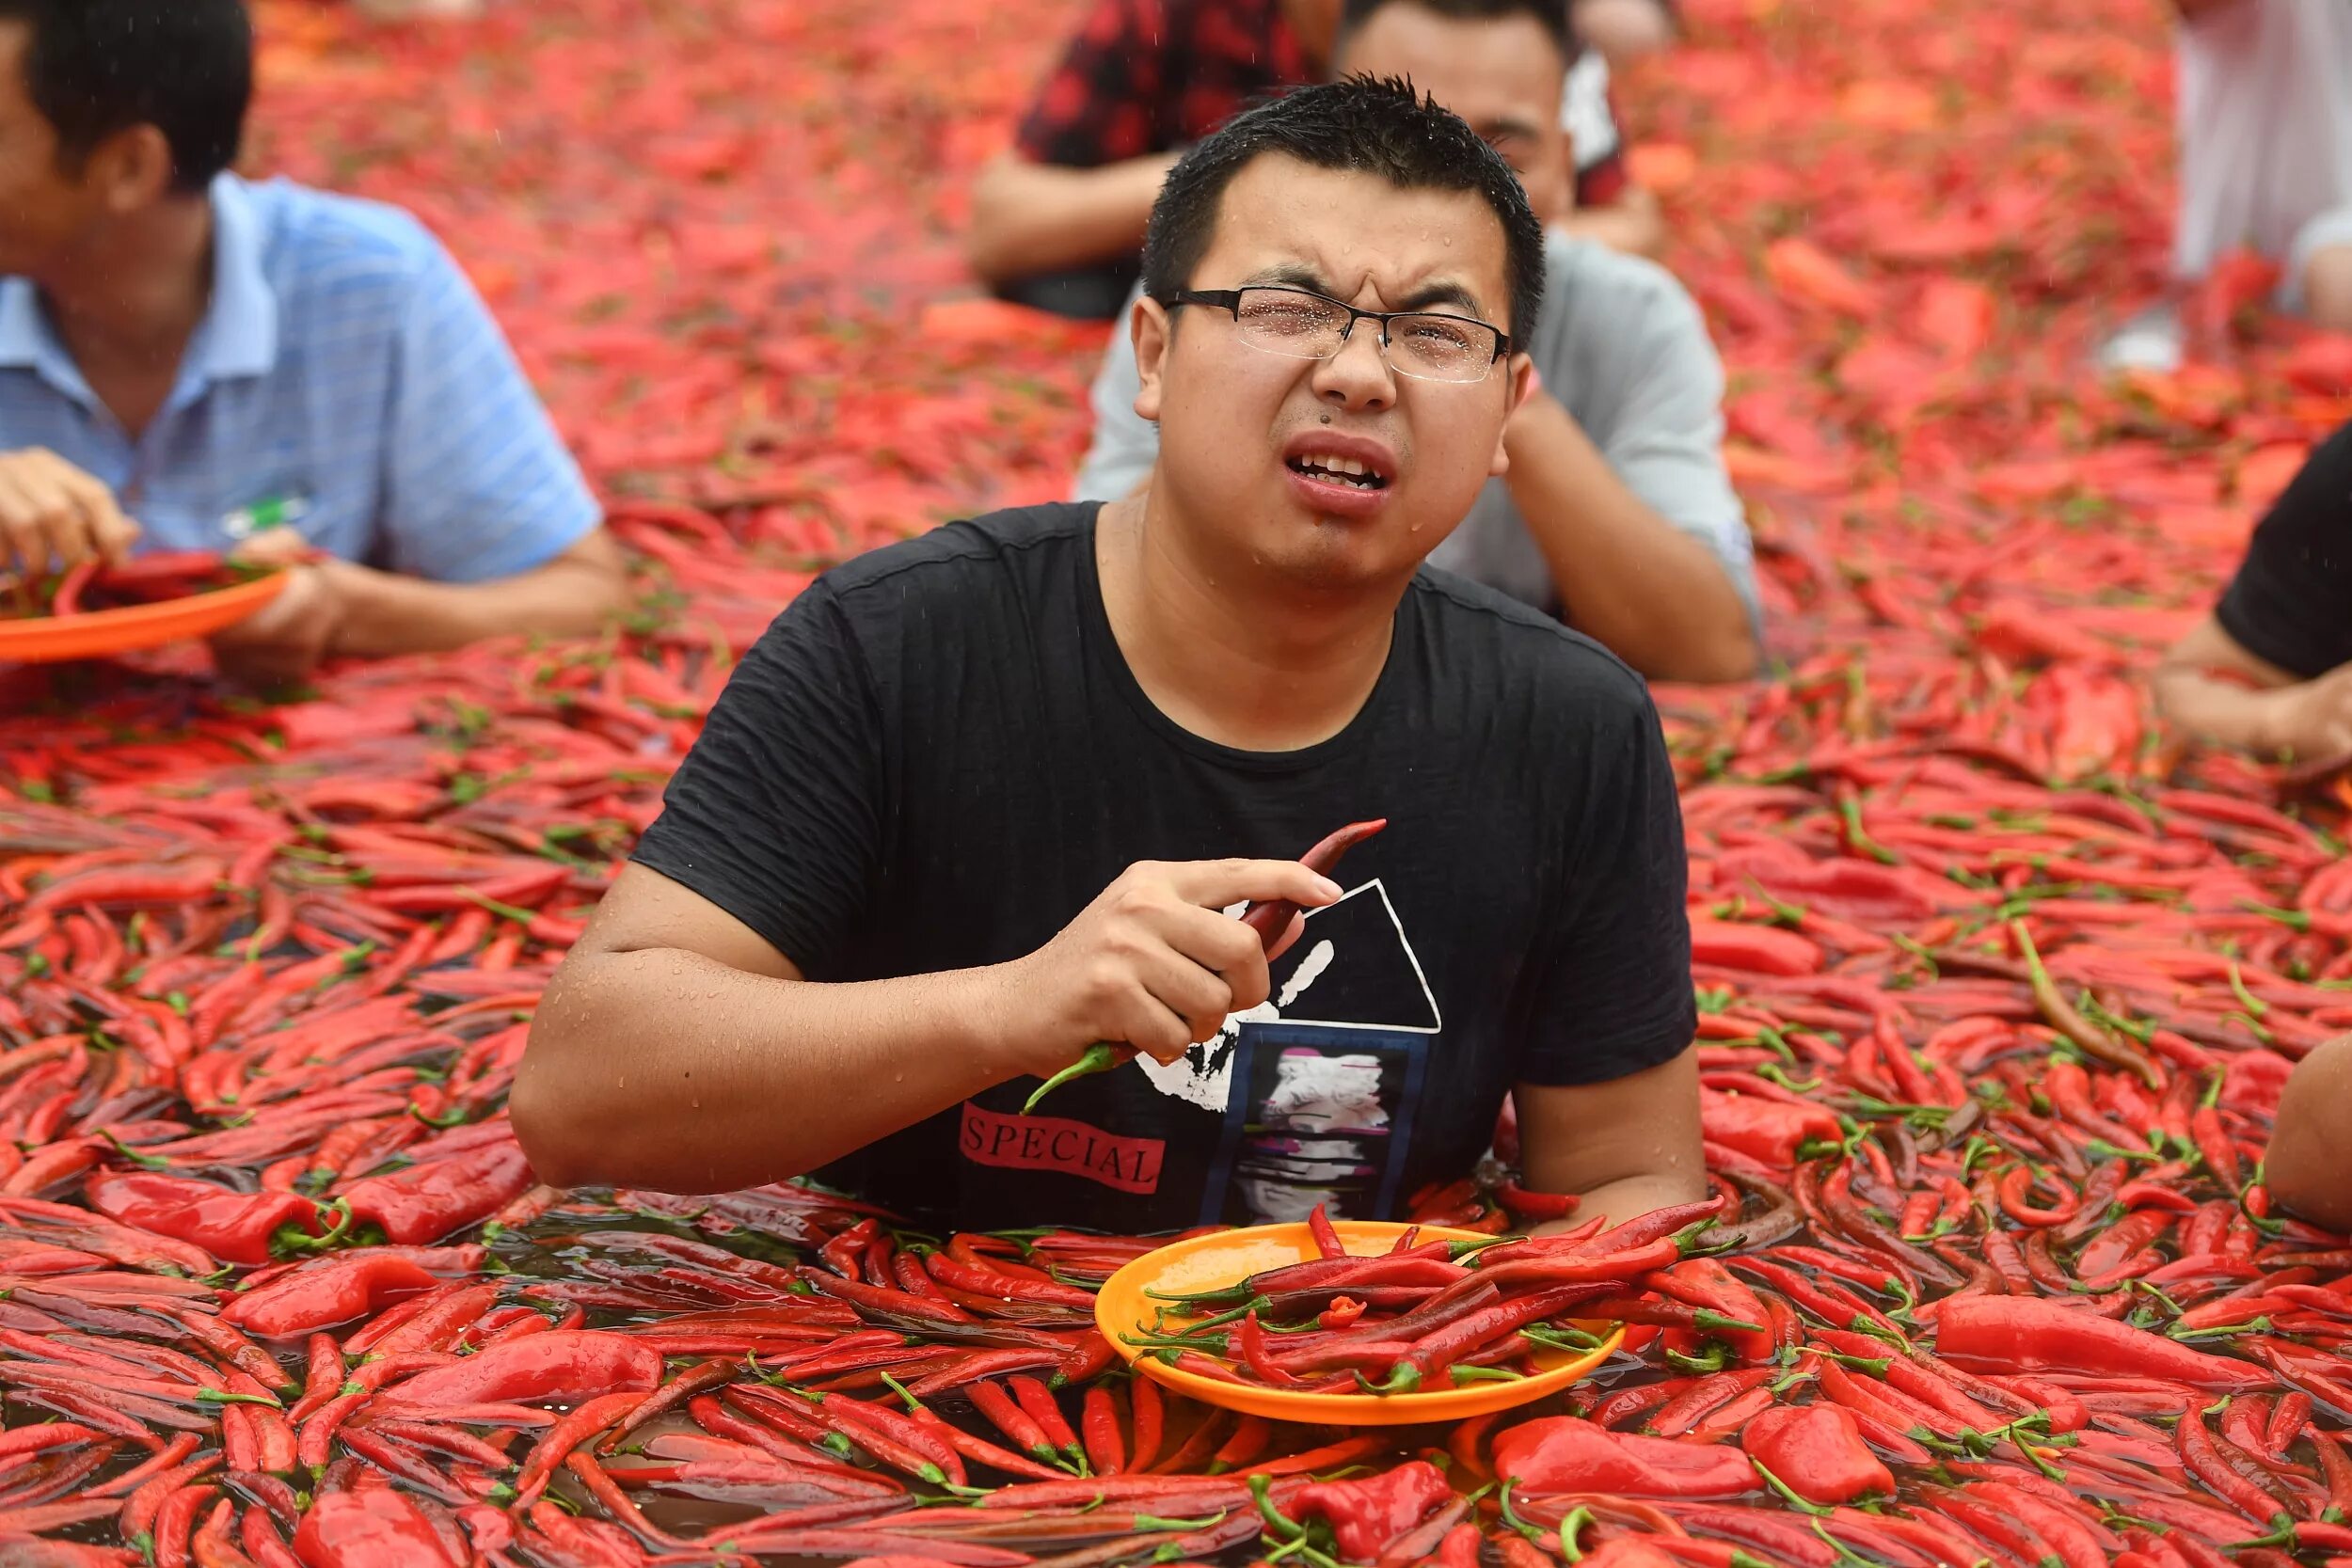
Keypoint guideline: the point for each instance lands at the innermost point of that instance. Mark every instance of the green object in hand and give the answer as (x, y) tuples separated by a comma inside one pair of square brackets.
[(1099, 1057)]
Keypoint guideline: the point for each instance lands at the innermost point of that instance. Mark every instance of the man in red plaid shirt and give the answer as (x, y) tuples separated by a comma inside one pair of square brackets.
[(1058, 221)]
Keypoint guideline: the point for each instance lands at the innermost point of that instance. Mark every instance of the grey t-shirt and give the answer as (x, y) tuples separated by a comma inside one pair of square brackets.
[(1620, 344)]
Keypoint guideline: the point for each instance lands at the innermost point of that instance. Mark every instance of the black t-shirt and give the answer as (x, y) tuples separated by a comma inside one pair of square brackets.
[(2291, 602), (937, 756)]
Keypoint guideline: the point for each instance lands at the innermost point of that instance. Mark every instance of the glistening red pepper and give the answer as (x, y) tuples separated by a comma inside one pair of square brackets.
[(375, 1528), (1366, 1514), (1561, 1453), (328, 1291), (1815, 1451), (236, 1228), (2015, 1333), (557, 1368), (1269, 920), (425, 1203)]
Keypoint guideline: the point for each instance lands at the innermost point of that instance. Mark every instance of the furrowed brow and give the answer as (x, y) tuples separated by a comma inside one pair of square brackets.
[(1290, 275), (1442, 291)]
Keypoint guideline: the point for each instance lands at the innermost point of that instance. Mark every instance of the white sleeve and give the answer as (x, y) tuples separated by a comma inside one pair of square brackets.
[(1125, 443)]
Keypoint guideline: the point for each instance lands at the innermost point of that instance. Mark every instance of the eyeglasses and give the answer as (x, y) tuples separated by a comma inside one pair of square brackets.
[(1300, 324)]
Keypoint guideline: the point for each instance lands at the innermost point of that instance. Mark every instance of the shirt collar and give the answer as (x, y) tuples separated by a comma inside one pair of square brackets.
[(238, 335)]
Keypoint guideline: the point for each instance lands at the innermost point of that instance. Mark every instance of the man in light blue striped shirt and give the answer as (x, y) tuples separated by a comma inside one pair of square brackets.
[(189, 361)]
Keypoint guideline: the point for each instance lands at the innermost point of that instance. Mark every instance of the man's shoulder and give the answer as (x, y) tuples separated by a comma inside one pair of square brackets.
[(314, 238), (957, 565), (1488, 633), (1598, 291)]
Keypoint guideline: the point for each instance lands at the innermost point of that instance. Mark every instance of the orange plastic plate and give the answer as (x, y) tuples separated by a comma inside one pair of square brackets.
[(102, 632), (1229, 1257)]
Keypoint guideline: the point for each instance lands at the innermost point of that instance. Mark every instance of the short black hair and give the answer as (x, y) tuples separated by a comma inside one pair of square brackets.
[(97, 67), (1363, 124), (1551, 15)]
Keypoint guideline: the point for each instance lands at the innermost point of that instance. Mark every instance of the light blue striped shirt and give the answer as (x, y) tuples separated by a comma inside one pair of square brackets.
[(346, 375)]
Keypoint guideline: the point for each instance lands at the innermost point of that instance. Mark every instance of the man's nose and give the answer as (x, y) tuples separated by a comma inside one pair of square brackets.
[(1359, 376)]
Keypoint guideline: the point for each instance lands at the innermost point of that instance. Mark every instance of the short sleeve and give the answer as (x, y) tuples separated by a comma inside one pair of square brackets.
[(478, 485), (1091, 107), (774, 814), (1606, 991), (1665, 437), (1125, 444), (2291, 602)]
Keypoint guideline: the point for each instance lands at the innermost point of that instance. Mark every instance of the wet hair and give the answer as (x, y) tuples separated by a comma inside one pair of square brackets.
[(1550, 15), (97, 67), (1360, 124)]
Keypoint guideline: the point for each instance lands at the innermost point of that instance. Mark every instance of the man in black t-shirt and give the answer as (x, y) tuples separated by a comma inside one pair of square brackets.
[(2271, 669), (958, 815)]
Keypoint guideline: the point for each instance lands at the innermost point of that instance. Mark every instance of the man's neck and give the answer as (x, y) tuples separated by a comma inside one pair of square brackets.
[(132, 296), (1228, 655)]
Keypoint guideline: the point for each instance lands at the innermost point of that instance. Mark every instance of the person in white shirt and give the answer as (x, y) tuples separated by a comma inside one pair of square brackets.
[(2265, 162)]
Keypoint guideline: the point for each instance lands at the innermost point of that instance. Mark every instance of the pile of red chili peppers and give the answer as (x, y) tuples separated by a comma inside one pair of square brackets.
[(1999, 983)]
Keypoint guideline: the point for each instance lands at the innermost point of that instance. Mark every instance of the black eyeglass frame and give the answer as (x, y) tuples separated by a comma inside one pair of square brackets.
[(1229, 300)]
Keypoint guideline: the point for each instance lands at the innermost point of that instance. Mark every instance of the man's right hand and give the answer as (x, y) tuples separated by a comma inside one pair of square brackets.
[(52, 514), (1153, 963)]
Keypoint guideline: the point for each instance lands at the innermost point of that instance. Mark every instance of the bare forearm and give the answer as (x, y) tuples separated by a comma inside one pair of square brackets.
[(1655, 596), (1632, 1196), (385, 614), (1028, 218), (2309, 1168), (667, 1069), (2220, 711)]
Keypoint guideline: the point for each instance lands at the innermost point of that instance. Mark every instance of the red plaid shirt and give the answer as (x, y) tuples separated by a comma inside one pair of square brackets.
[(1147, 76)]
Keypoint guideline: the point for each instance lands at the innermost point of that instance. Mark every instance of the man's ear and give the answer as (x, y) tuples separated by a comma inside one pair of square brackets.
[(1521, 383), (1153, 332), (132, 167)]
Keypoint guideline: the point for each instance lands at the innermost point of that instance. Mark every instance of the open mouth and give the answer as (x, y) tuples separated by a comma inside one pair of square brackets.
[(1339, 470)]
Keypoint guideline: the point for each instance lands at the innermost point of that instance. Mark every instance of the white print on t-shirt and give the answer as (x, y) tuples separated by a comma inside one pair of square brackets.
[(1319, 1128), (1204, 1076)]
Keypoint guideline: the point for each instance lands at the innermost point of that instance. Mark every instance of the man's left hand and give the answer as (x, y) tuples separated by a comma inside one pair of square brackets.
[(291, 634)]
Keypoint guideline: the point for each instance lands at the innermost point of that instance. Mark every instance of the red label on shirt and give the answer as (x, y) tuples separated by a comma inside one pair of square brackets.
[(1056, 1143)]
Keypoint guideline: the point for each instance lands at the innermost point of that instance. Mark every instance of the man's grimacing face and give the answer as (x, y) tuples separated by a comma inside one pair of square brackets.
[(1246, 435)]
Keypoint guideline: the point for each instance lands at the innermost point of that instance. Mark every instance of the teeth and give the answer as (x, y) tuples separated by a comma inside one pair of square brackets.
[(1344, 466)]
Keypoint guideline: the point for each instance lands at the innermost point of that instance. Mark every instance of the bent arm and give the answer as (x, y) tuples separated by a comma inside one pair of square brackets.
[(1634, 223), (385, 613), (1652, 595), (677, 1050), (1030, 217), (2309, 1169), (1625, 1147)]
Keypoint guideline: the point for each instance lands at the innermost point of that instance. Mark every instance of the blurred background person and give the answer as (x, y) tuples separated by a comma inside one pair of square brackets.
[(1057, 220), (2265, 111)]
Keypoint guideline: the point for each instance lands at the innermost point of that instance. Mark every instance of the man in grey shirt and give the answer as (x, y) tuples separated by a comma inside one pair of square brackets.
[(1616, 511)]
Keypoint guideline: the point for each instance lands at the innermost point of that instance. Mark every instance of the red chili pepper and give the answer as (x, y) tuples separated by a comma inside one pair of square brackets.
[(1327, 1243), (2008, 1332), (1561, 1453), (331, 1290), (427, 1203), (1038, 1403), (1817, 1452), (560, 1367), (1015, 1422), (1367, 1514), (1099, 1421), (373, 1527), (236, 1228)]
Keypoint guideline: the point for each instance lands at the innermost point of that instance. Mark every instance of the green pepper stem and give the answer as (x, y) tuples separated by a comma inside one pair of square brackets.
[(1099, 1058)]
